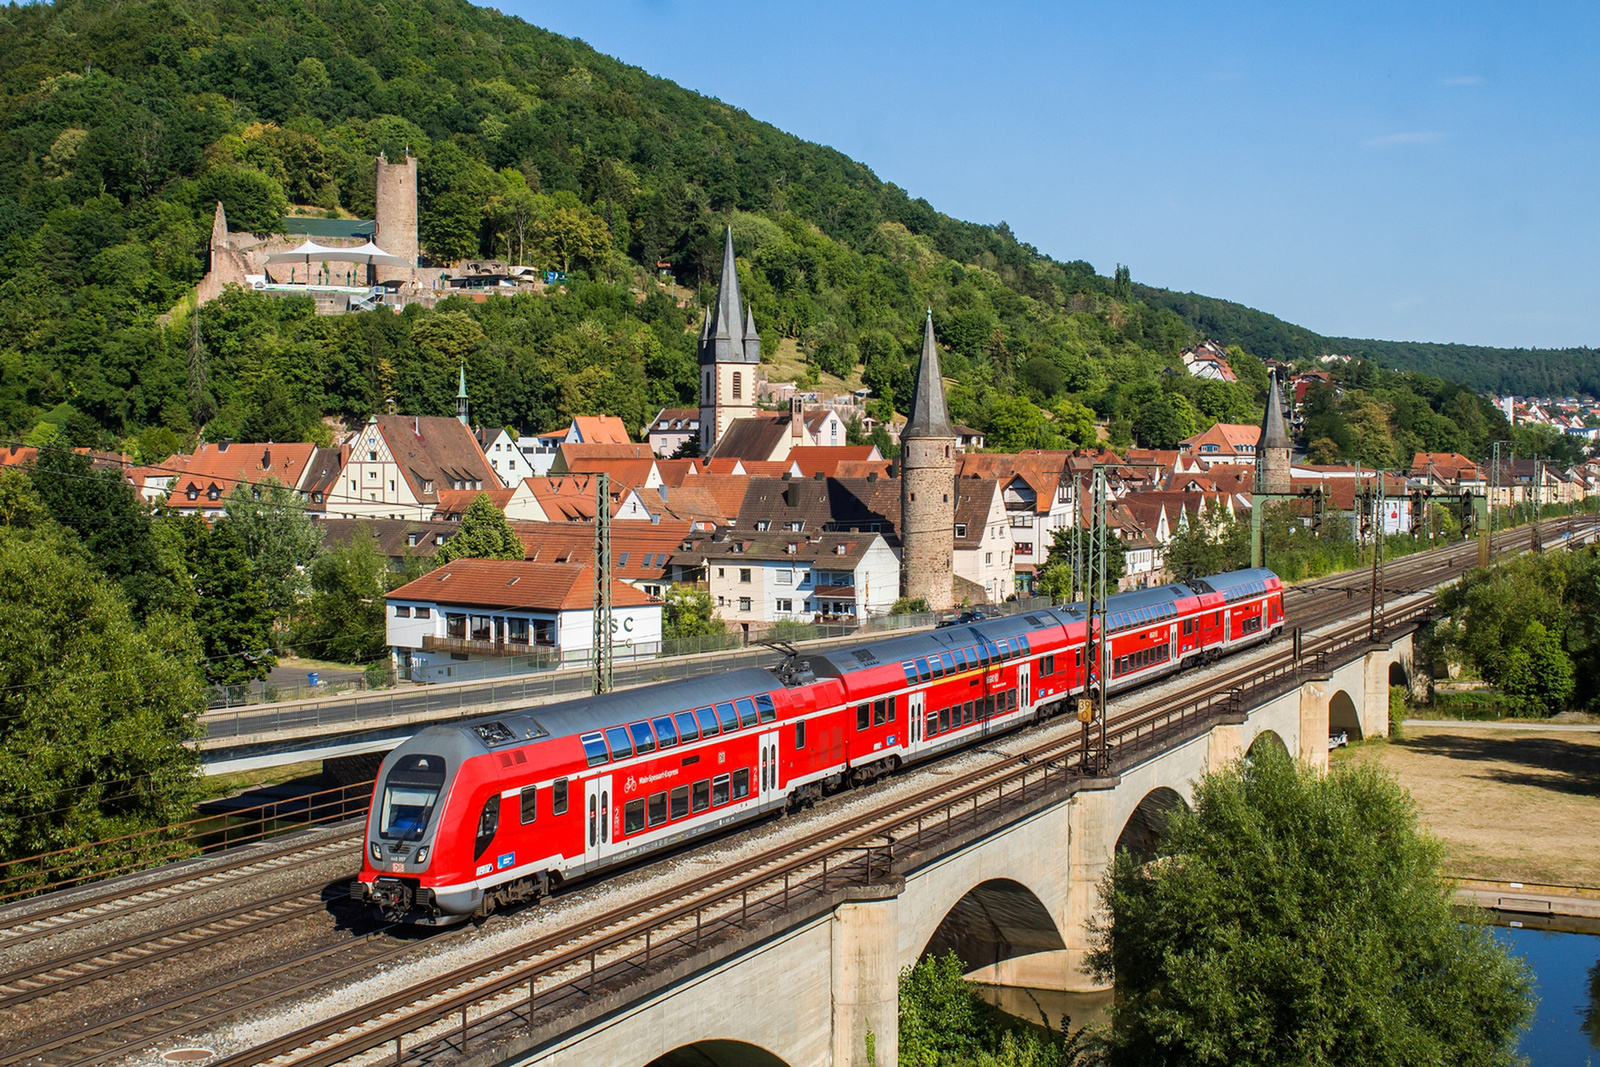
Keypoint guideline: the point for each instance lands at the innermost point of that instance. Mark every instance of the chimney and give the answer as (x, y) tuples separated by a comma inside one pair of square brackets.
[(872, 476), (819, 476), (791, 495), (266, 459)]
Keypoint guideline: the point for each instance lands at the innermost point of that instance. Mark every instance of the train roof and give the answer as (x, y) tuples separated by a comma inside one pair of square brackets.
[(1230, 581), (583, 714), (894, 650)]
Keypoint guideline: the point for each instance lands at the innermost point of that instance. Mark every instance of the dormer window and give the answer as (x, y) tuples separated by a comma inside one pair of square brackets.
[(193, 492), (427, 485), (213, 493), (412, 539), (839, 550)]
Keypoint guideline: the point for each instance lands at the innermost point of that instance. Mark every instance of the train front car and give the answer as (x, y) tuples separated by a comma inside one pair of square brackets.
[(435, 811), (1251, 605)]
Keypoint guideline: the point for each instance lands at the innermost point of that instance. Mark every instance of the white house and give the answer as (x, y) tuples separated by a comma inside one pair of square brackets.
[(757, 580), (505, 456), (485, 612)]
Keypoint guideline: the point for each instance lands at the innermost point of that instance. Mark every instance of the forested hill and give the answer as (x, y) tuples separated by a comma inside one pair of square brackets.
[(1521, 371), (123, 123)]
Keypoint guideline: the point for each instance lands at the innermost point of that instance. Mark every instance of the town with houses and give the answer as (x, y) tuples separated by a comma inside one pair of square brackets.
[(754, 496)]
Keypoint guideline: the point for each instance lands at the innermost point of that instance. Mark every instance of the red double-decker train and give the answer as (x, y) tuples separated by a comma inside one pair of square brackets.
[(489, 811)]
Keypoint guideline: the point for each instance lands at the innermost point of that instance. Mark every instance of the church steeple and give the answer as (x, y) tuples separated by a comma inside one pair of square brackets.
[(928, 416), (461, 397), (1273, 450), (729, 334)]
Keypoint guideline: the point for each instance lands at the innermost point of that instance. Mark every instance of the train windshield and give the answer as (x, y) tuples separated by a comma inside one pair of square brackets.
[(410, 794)]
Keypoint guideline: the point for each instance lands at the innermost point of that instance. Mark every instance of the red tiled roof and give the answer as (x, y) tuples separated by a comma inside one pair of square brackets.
[(512, 583), (639, 551), (225, 466), (453, 503), (826, 458), (436, 449), (601, 429)]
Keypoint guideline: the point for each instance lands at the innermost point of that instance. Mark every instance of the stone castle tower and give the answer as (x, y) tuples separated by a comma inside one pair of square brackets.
[(730, 356), (1273, 450), (927, 486), (395, 212)]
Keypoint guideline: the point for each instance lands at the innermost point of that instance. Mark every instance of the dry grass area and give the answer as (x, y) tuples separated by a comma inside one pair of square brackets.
[(789, 365), (1512, 805)]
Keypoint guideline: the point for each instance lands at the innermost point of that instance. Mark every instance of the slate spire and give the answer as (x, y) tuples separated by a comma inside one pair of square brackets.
[(1273, 434), (928, 416), (461, 396), (726, 336)]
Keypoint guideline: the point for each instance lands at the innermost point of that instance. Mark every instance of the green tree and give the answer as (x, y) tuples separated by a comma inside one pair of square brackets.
[(1538, 670), (945, 1022), (1209, 544), (689, 612), (1301, 918), (484, 534), (94, 709), (232, 615), (909, 605), (344, 618), (280, 539)]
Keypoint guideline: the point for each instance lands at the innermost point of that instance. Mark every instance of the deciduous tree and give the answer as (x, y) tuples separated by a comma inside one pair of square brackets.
[(1301, 918), (484, 534)]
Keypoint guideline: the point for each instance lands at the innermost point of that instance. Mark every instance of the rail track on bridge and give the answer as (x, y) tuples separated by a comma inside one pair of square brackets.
[(564, 964)]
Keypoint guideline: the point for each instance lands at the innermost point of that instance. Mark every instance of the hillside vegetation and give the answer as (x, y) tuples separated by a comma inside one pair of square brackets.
[(121, 125)]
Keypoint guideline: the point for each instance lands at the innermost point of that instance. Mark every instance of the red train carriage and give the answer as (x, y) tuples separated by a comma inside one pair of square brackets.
[(469, 816)]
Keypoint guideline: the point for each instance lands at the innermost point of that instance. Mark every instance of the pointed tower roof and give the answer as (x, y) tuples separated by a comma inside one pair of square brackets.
[(461, 396), (928, 416), (725, 334), (1273, 434)]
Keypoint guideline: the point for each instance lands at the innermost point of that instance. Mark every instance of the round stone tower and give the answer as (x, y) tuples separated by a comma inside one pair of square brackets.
[(395, 215), (1272, 448), (928, 486)]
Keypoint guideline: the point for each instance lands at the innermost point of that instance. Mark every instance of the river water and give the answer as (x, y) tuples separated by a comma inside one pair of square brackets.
[(1566, 968)]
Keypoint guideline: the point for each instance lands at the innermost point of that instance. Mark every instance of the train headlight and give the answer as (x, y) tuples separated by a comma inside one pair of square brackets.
[(377, 852), (422, 854)]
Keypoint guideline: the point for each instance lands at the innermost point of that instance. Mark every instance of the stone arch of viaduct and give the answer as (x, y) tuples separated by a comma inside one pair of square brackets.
[(823, 991)]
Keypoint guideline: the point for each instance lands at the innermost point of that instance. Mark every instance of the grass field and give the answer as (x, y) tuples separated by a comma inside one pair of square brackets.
[(1512, 805)]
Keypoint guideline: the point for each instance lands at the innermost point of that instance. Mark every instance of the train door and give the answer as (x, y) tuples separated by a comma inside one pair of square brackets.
[(1174, 653), (770, 789), (597, 816), (1024, 688), (1227, 626), (915, 724)]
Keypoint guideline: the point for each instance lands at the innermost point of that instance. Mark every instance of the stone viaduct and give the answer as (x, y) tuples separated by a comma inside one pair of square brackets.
[(1014, 899)]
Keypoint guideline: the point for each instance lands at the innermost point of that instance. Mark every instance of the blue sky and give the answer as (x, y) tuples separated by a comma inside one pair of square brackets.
[(1397, 170)]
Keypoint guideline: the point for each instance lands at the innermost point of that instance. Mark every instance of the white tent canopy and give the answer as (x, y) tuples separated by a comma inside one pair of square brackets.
[(310, 252)]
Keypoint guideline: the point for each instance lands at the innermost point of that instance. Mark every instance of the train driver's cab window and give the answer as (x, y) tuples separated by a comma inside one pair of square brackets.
[(488, 823), (410, 793)]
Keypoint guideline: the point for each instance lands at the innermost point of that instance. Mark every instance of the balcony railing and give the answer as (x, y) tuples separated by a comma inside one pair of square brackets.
[(432, 643)]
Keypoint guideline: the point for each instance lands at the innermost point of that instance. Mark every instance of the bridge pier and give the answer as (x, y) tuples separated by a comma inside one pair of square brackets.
[(866, 982), (1313, 747), (1092, 832)]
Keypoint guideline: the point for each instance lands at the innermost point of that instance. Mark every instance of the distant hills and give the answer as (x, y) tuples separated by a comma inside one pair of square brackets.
[(1522, 371)]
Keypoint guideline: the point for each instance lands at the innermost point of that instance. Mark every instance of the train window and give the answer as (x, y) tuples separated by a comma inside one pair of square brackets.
[(1011, 699), (747, 711), (924, 672), (680, 802), (643, 740), (633, 816), (605, 816), (658, 808), (688, 730), (741, 783), (708, 721), (719, 789), (558, 797), (1047, 665), (960, 657), (764, 706), (935, 668), (972, 709), (911, 671), (983, 655), (530, 804), (930, 725), (488, 823), (621, 745), (729, 717), (800, 734), (666, 735), (1217, 619), (594, 747), (863, 716), (966, 714), (880, 712), (1027, 646), (1077, 658), (702, 794), (944, 719)]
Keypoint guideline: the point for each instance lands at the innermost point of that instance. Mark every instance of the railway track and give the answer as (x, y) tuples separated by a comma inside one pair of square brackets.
[(538, 976), (794, 862)]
